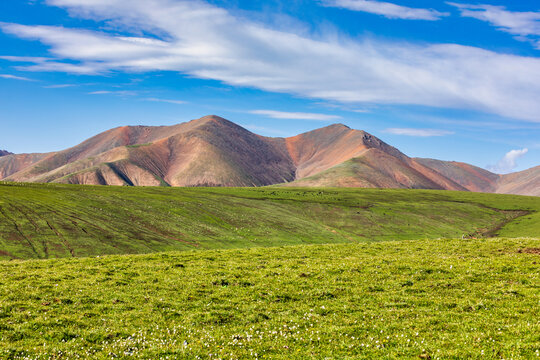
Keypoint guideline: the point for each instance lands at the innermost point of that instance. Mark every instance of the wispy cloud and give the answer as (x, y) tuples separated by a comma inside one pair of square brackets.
[(24, 59), (344, 107), (525, 25), (13, 77), (108, 92), (177, 102), (508, 162), (418, 132), (59, 86), (294, 115), (205, 41), (386, 9)]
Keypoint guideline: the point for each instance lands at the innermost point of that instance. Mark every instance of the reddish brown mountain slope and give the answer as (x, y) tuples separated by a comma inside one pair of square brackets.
[(372, 169), (525, 182), (339, 156), (473, 178), (320, 149), (470, 177), (108, 140), (11, 164)]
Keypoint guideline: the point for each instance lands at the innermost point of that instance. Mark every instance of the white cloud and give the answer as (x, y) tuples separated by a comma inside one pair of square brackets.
[(525, 25), (508, 162), (418, 132), (386, 9), (204, 41), (294, 115), (177, 102), (13, 77)]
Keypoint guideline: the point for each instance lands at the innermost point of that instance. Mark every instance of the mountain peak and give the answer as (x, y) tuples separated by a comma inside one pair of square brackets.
[(329, 130), (5, 152), (339, 125), (210, 119)]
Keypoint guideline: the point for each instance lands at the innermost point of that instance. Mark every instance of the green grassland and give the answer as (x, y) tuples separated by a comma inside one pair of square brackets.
[(49, 220), (421, 299), (381, 273)]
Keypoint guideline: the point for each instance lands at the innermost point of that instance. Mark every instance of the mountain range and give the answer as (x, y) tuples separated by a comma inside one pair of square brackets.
[(212, 151)]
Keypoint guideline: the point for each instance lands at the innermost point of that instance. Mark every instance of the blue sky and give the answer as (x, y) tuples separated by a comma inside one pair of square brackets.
[(448, 80)]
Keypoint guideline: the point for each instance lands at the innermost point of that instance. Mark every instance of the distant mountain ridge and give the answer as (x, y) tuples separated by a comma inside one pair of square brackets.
[(526, 182), (5, 152), (212, 151)]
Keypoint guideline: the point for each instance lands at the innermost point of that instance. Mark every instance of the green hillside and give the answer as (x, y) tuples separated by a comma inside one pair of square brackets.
[(45, 220), (424, 299)]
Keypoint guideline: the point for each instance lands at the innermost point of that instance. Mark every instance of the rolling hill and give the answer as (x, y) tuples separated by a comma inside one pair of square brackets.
[(212, 151), (57, 220)]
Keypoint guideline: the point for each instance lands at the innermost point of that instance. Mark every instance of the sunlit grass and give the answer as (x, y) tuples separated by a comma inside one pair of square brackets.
[(407, 299)]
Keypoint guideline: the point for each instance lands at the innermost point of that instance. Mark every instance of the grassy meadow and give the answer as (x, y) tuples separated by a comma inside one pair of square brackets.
[(366, 273), (421, 299), (48, 221)]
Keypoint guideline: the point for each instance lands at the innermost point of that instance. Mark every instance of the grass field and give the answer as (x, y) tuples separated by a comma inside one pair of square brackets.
[(48, 221), (417, 299)]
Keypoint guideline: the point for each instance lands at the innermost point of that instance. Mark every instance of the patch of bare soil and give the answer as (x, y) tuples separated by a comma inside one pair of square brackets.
[(529, 251)]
